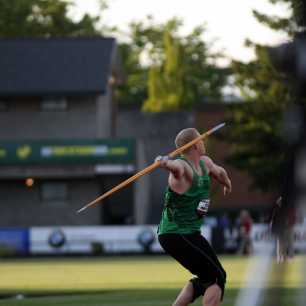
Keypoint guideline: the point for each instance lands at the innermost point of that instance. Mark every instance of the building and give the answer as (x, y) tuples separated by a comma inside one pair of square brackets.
[(57, 145)]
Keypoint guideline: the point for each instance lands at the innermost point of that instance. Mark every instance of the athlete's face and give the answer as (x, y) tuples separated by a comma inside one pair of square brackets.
[(202, 149)]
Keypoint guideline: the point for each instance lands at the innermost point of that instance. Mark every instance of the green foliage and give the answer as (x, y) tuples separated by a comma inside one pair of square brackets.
[(166, 83), (294, 23), (255, 131), (133, 91), (43, 18), (177, 71), (256, 125)]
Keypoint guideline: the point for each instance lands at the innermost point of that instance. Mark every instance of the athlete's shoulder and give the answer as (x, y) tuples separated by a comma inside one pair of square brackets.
[(179, 161), (182, 161), (208, 162)]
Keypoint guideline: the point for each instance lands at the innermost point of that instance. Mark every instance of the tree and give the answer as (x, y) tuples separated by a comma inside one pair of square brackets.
[(44, 18), (133, 91), (166, 83), (173, 71), (256, 126)]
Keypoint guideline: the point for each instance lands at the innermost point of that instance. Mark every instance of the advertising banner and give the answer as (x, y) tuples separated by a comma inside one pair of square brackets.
[(68, 151), (261, 236), (14, 241), (96, 239)]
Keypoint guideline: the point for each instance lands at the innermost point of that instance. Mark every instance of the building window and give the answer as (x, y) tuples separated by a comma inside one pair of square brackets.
[(3, 105), (54, 104), (54, 192)]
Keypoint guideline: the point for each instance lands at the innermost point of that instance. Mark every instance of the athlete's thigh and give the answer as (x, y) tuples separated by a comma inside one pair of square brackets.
[(210, 252), (182, 249), (193, 253), (205, 260)]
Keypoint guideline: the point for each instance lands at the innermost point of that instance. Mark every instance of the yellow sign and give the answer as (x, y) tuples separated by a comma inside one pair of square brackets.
[(24, 151), (118, 151), (2, 153)]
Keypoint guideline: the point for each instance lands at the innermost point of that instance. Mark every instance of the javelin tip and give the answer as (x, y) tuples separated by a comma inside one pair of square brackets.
[(219, 126), (82, 209)]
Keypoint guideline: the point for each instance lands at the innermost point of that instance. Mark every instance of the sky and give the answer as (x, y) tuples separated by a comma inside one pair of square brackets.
[(228, 22)]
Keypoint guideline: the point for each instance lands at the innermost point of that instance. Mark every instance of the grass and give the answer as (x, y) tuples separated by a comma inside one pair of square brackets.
[(118, 281)]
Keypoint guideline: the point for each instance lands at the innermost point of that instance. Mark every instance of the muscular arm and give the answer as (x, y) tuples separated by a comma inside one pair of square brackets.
[(180, 178), (219, 174), (175, 168)]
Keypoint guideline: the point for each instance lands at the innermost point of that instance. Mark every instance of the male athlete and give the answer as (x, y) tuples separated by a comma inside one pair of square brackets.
[(186, 203)]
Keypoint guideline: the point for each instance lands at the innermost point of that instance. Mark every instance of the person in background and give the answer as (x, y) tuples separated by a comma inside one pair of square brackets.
[(224, 221), (282, 226), (245, 223)]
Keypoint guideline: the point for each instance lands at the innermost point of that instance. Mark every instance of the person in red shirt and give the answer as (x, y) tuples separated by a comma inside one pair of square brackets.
[(245, 223)]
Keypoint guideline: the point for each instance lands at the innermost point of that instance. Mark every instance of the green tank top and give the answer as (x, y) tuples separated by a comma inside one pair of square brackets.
[(180, 210)]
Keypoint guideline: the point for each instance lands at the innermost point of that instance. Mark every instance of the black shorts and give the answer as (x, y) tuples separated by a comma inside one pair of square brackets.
[(194, 253)]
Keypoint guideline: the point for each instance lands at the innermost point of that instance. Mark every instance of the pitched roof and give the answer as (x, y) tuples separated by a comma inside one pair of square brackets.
[(55, 66)]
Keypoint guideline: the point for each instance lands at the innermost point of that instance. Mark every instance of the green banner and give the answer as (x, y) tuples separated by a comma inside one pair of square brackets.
[(68, 151)]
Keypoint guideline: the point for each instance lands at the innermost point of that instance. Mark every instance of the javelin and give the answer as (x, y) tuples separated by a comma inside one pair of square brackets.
[(151, 167)]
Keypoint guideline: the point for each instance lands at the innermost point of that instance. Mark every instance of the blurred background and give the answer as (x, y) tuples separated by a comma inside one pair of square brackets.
[(92, 91)]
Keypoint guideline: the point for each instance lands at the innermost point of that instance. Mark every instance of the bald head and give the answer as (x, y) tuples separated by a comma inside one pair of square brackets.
[(185, 136)]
